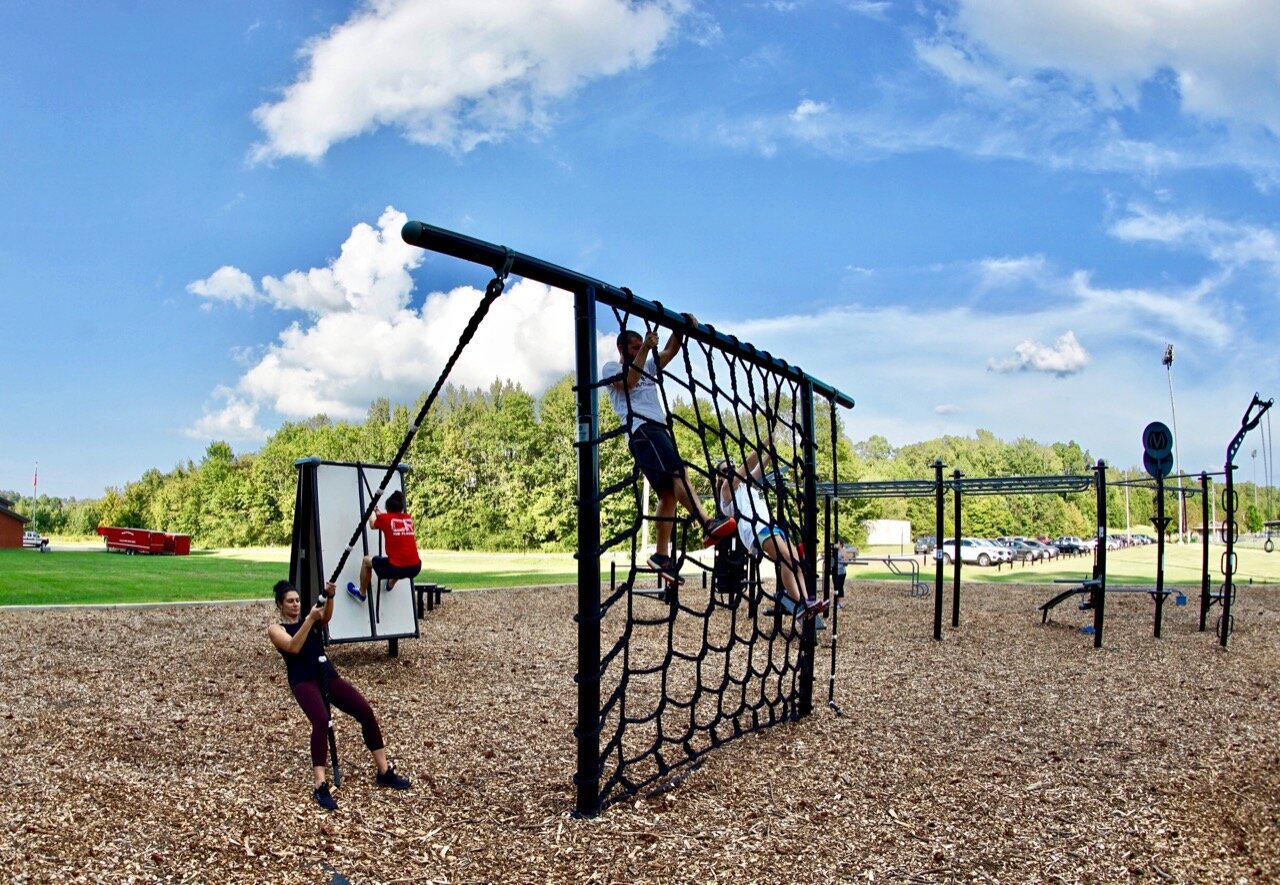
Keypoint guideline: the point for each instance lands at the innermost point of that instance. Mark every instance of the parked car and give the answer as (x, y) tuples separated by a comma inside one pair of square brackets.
[(999, 553), (1046, 551), (33, 539), (1070, 544), (1024, 552), (926, 544), (972, 551)]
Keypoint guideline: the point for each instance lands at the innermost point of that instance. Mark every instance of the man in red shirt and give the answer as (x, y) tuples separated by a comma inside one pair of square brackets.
[(401, 559)]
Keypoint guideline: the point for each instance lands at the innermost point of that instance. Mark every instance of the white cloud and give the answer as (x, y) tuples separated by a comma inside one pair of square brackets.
[(1221, 54), (228, 284), (1065, 357), (370, 276), (235, 420), (809, 108), (1230, 245), (1064, 85), (457, 73), (1000, 273), (362, 339), (877, 9), (947, 409)]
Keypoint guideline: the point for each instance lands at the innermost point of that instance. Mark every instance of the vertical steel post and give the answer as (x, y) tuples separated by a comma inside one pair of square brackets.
[(587, 778), (809, 527), (1229, 555), (937, 549), (1204, 555), (955, 584), (1100, 557), (1161, 522)]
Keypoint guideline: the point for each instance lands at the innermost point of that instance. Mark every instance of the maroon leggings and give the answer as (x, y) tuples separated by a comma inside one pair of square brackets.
[(347, 699)]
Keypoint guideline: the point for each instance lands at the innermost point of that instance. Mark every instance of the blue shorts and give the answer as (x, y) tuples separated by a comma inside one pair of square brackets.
[(769, 531), (654, 449)]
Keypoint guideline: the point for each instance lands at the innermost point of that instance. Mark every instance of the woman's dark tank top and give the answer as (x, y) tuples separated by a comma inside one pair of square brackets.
[(305, 665)]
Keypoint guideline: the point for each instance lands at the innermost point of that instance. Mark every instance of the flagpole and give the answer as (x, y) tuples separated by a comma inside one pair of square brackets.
[(35, 484)]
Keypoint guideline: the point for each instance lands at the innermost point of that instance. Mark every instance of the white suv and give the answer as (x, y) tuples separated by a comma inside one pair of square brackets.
[(972, 551), (33, 539)]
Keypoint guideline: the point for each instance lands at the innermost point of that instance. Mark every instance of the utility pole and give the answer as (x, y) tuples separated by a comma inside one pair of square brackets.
[(1177, 460)]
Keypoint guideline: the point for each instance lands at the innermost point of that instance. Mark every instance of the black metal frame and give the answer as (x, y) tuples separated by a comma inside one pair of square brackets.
[(587, 294), (959, 485)]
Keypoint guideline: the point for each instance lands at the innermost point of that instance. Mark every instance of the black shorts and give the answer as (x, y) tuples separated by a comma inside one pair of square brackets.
[(654, 449), (389, 572)]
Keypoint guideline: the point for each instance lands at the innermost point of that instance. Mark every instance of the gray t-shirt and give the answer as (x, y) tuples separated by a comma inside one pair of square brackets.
[(646, 400)]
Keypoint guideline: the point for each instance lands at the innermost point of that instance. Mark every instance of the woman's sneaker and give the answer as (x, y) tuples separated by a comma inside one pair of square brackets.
[(324, 798), (389, 778)]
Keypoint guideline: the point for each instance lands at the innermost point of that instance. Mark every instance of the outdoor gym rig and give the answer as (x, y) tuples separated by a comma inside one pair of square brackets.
[(1094, 586)]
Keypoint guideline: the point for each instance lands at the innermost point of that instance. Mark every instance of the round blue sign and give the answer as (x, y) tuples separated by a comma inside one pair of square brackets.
[(1157, 440)]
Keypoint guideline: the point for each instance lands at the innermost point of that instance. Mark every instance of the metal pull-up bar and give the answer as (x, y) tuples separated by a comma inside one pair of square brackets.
[(446, 242)]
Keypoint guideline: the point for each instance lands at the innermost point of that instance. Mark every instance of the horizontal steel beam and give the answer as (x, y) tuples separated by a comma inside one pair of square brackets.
[(993, 485), (498, 258)]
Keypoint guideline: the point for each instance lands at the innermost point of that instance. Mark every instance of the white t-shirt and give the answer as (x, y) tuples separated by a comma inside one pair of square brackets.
[(751, 511), (646, 401)]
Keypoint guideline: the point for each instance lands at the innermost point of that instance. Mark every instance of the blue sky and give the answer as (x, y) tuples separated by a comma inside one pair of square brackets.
[(966, 214)]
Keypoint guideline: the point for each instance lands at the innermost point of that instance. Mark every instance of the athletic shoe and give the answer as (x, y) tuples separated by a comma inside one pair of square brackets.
[(324, 798), (665, 568), (719, 529), (355, 592), (389, 778), (814, 609)]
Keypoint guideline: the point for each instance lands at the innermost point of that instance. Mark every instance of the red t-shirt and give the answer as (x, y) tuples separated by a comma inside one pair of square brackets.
[(402, 546)]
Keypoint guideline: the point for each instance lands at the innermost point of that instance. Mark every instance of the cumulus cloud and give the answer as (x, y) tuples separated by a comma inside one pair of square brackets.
[(370, 276), (362, 338), (1064, 357), (227, 284), (456, 73)]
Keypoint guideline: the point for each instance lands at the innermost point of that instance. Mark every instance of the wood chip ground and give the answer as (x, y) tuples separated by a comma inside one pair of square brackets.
[(162, 745)]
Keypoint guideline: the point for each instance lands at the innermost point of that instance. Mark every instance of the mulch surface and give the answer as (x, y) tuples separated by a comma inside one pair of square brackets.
[(162, 745)]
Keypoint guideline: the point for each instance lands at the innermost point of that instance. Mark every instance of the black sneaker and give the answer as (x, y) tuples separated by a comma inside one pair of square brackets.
[(389, 778), (324, 798), (718, 529), (666, 568)]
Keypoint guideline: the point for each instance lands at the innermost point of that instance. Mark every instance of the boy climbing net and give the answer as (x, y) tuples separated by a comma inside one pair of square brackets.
[(636, 398)]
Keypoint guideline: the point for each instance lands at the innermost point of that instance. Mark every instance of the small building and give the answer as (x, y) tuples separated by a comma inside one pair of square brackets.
[(12, 525), (888, 532)]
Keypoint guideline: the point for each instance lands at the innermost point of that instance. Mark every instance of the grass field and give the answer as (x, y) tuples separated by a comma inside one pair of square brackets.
[(79, 576), (85, 576)]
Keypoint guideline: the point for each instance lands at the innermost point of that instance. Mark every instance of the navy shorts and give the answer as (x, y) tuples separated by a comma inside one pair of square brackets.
[(387, 571), (655, 452)]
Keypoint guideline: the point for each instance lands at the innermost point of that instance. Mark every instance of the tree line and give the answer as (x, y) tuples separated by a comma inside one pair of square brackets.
[(496, 469)]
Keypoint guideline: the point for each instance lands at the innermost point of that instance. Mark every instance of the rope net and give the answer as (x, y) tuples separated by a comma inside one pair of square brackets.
[(688, 667)]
